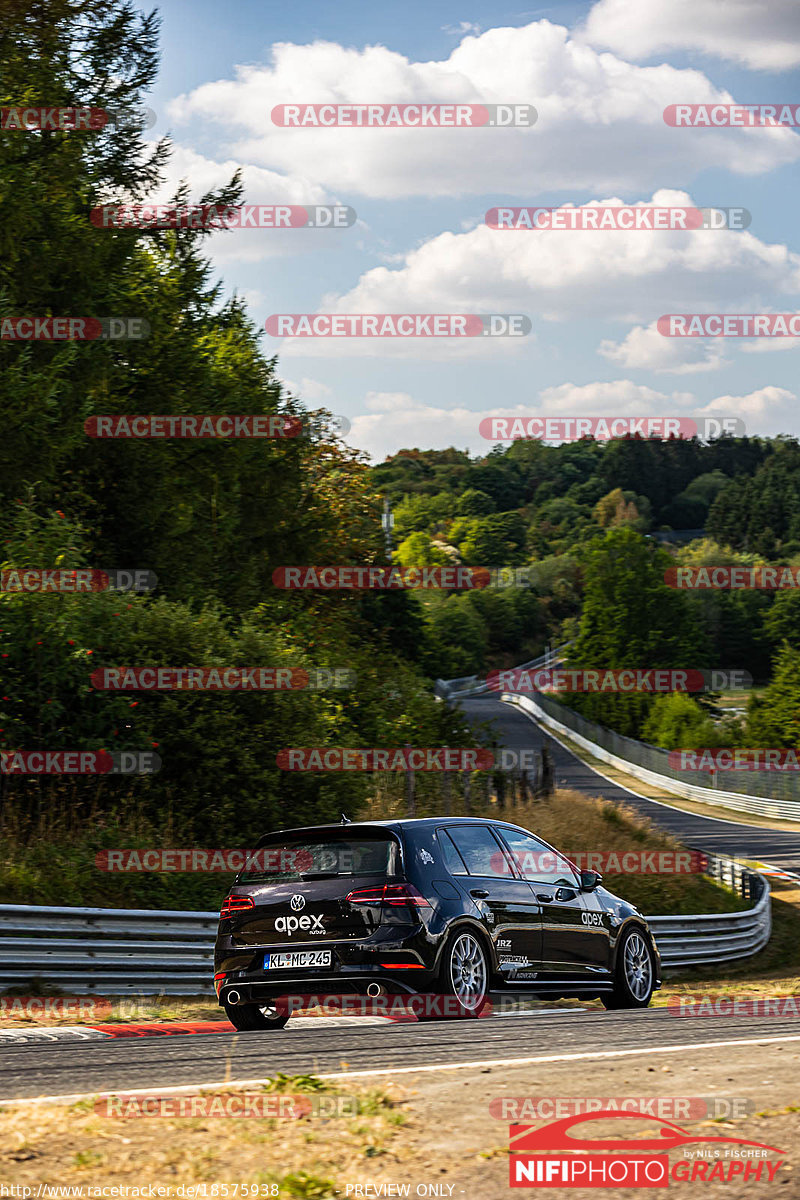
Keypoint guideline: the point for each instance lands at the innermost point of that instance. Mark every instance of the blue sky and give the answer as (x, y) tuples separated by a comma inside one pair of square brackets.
[(599, 77)]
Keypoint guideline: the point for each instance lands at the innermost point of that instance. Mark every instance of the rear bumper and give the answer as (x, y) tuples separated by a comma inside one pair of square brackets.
[(351, 971), (324, 990)]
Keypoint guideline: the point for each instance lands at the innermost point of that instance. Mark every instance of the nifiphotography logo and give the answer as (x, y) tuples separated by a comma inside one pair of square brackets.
[(642, 1161)]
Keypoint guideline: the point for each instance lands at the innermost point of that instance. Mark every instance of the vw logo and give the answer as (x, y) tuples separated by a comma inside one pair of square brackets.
[(297, 903)]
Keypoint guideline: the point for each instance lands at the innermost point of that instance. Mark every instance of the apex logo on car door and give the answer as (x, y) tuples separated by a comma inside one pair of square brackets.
[(574, 934), (507, 905)]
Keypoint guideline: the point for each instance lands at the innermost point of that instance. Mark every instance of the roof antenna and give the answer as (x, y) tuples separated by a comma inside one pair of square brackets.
[(346, 820)]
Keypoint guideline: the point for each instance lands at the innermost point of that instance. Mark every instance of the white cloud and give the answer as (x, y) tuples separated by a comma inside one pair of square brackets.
[(395, 420), (462, 28), (600, 123), (254, 298), (763, 36), (561, 275), (647, 349), (613, 398), (768, 410), (311, 391)]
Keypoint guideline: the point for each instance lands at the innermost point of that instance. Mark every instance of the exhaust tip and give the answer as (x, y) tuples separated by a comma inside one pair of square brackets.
[(233, 997), (375, 989)]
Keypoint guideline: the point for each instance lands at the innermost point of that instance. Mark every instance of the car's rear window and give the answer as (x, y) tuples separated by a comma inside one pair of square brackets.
[(288, 859)]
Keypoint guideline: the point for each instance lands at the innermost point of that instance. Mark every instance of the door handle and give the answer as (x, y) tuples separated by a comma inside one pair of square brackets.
[(544, 897), (478, 893)]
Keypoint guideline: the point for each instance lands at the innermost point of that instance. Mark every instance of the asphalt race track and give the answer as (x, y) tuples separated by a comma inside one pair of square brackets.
[(65, 1068), (518, 732)]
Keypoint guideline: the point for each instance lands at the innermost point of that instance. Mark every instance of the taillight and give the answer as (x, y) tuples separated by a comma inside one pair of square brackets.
[(396, 894), (234, 904)]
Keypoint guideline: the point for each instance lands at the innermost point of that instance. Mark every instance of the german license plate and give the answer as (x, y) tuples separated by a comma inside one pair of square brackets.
[(297, 958)]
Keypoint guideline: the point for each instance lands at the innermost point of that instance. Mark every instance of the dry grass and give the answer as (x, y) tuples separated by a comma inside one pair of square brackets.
[(304, 1157)]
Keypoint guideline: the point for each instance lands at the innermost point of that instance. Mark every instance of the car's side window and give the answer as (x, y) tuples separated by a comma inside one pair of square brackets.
[(481, 850), (537, 862), (452, 859)]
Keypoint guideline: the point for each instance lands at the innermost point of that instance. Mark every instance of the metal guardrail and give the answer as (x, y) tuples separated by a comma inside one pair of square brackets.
[(718, 937), (764, 794), (651, 763), (474, 685), (124, 952), (108, 951)]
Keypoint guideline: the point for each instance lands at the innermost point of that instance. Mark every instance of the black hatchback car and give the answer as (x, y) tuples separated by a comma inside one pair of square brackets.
[(455, 906)]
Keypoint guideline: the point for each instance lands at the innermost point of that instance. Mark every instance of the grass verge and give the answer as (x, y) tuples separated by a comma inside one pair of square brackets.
[(303, 1156)]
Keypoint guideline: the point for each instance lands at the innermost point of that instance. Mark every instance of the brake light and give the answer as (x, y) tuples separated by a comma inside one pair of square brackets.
[(396, 894), (234, 904)]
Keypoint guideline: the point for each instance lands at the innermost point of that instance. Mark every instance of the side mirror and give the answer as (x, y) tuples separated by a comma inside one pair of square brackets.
[(590, 880)]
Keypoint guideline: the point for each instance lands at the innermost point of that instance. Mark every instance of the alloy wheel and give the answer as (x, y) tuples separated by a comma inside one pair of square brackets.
[(468, 971), (638, 966)]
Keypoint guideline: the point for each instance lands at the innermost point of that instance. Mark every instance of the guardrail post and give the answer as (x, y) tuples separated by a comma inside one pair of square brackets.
[(411, 794), (547, 778)]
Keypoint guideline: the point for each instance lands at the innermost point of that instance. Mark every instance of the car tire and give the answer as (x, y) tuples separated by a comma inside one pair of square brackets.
[(463, 978), (634, 973), (249, 1017)]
